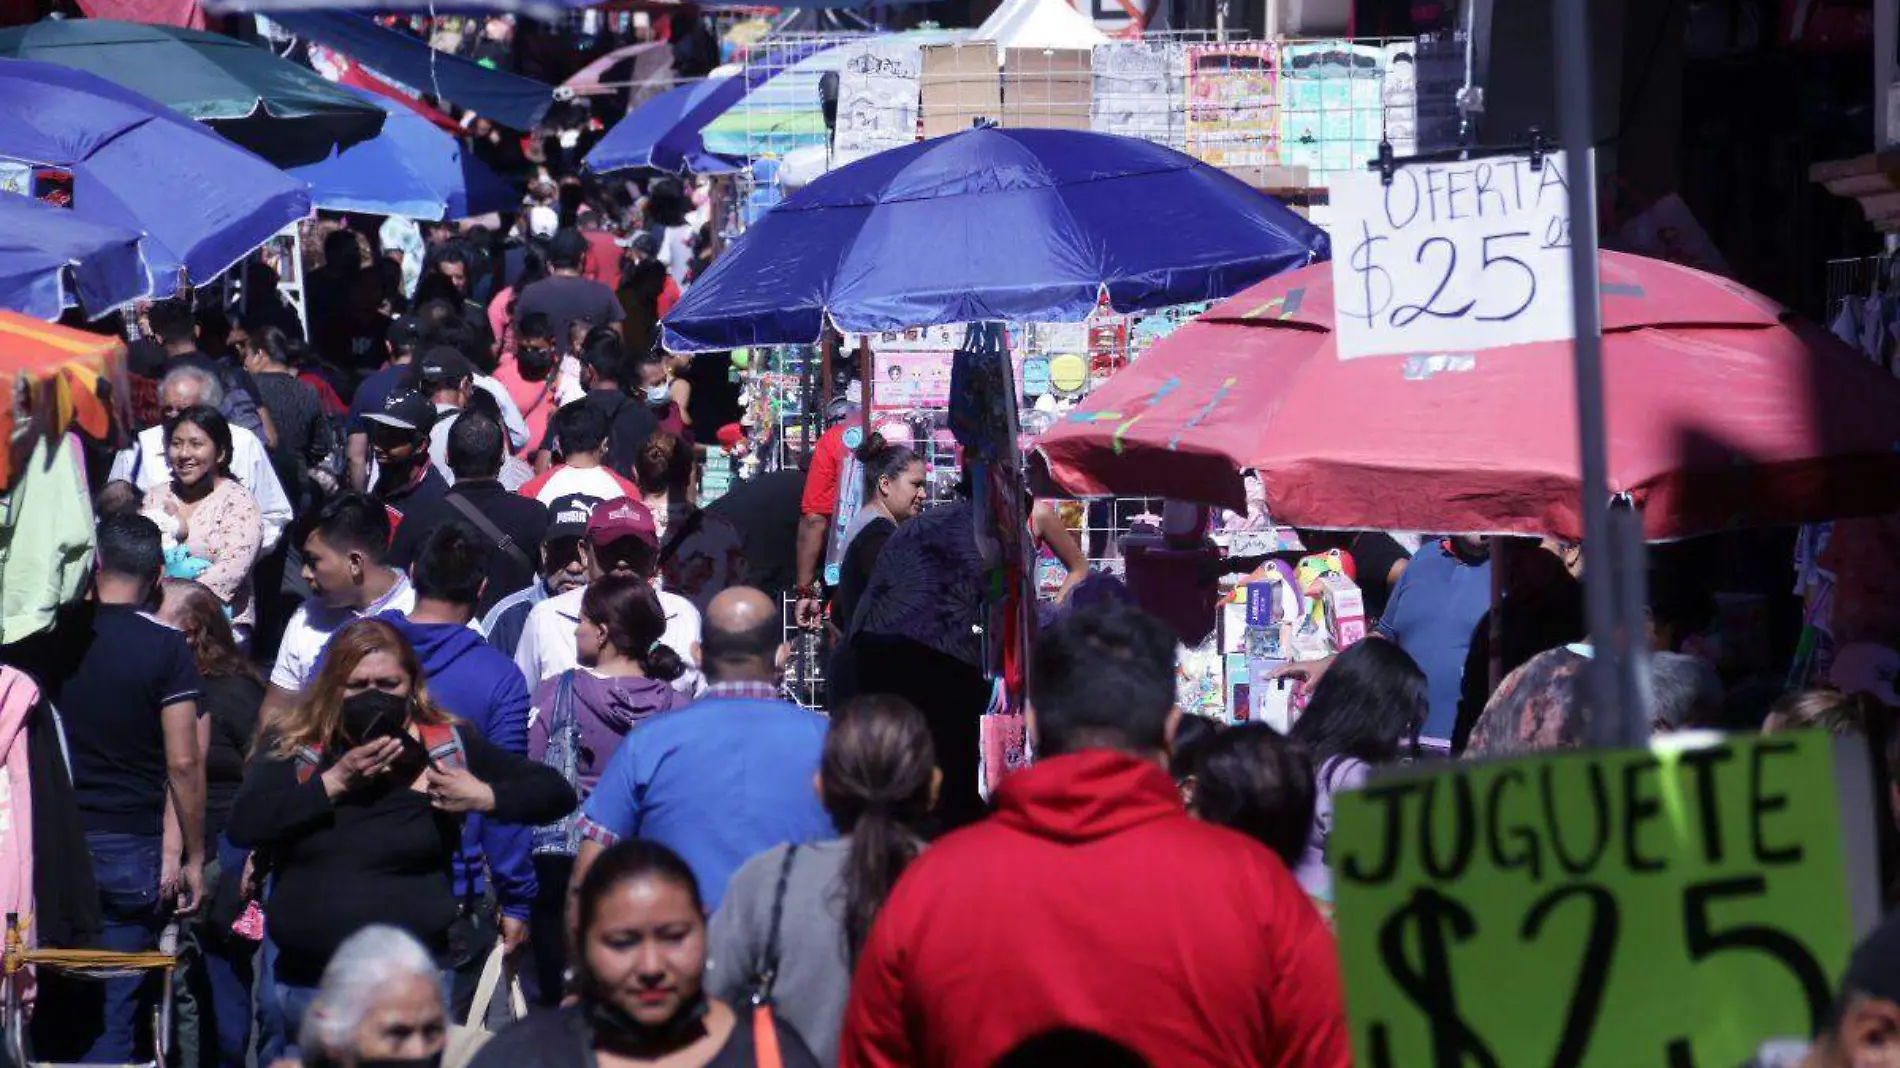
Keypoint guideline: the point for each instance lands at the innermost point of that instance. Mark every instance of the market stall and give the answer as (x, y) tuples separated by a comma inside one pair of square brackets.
[(988, 227), (1730, 413), (53, 382)]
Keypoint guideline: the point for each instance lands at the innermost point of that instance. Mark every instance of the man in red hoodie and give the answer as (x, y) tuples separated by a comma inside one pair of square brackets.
[(1091, 902)]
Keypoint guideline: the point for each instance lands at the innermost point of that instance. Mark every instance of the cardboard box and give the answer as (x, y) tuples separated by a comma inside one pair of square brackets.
[(960, 83), (1345, 610)]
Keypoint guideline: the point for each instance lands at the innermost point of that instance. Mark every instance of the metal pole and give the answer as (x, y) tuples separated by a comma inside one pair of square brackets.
[(868, 378), (1618, 714)]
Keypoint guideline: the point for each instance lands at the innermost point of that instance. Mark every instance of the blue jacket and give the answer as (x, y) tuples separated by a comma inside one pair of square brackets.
[(473, 682)]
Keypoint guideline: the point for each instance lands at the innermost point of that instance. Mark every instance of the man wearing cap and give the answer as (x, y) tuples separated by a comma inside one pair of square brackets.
[(561, 570), (1862, 1029), (446, 377), (405, 335), (621, 539), (567, 298), (406, 482)]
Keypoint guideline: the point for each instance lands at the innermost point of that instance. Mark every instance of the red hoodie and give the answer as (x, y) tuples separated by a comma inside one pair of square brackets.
[(1090, 900)]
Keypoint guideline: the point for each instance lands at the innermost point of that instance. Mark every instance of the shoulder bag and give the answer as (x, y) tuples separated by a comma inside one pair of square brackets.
[(766, 1053), (561, 838), (504, 541)]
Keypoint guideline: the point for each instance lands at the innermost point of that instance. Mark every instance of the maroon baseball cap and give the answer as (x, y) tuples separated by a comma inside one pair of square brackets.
[(622, 517)]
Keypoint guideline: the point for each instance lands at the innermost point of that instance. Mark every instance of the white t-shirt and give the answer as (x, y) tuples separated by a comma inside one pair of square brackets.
[(676, 251), (312, 624), (547, 639), (600, 483)]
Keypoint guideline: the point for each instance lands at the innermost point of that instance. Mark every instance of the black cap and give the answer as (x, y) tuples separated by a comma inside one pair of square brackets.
[(443, 366), (568, 515), (405, 332), (406, 409), (568, 248), (1874, 969)]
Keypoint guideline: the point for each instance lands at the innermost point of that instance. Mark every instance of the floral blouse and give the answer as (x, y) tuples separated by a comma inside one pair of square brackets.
[(227, 530)]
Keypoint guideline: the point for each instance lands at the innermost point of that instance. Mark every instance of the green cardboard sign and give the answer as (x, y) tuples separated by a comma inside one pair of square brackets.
[(1614, 908)]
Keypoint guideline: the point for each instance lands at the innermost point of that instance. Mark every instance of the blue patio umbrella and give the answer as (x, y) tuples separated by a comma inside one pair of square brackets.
[(202, 202), (988, 225), (51, 260), (411, 169), (662, 134)]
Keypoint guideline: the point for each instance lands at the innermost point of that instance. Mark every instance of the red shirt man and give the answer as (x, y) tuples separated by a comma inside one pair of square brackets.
[(819, 504)]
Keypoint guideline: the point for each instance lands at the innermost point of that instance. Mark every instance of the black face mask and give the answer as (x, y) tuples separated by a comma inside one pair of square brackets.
[(433, 1060), (616, 1029), (373, 714)]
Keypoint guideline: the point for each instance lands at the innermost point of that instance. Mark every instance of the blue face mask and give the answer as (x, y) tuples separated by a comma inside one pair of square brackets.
[(658, 395)]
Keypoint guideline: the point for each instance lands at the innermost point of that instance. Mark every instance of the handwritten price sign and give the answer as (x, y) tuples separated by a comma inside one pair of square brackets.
[(1601, 909), (1451, 257)]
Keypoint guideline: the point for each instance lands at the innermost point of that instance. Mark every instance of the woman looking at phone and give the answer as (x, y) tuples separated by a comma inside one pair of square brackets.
[(354, 802)]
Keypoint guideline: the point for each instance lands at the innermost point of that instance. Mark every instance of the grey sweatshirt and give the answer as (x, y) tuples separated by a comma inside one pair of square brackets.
[(814, 975)]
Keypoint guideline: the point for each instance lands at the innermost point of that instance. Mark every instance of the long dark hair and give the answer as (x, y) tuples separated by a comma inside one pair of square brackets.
[(1254, 780), (664, 463), (876, 784), (275, 344), (635, 622), (1368, 705), (201, 619)]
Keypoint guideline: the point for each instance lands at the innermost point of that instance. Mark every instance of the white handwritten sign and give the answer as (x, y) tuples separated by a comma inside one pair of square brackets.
[(1138, 90), (1451, 257), (877, 97)]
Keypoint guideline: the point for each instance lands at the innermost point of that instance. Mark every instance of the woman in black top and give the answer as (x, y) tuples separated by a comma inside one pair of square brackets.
[(229, 699), (640, 980), (893, 494), (303, 431), (356, 798)]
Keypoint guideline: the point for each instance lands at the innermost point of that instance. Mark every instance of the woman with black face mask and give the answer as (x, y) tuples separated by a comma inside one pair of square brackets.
[(354, 802), (639, 973)]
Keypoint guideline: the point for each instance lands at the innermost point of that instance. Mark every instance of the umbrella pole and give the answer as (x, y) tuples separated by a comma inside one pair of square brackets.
[(867, 374), (1618, 706), (826, 346)]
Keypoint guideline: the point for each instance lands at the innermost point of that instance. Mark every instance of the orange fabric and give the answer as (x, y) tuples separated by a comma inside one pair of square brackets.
[(57, 378), (765, 1049)]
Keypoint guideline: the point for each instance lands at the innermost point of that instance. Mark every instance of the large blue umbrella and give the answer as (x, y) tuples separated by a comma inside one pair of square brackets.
[(991, 225), (51, 260), (662, 134), (410, 169), (202, 202)]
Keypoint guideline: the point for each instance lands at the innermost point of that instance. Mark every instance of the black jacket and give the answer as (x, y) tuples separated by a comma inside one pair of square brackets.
[(379, 854), (525, 522)]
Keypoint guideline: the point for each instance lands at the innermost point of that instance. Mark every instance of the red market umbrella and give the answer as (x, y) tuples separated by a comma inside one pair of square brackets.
[(1724, 411)]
